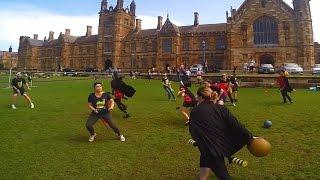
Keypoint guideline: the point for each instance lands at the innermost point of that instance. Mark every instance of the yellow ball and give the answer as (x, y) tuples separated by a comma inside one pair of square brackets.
[(259, 147)]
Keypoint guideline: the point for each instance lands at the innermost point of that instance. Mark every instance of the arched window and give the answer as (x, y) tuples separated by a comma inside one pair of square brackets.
[(265, 30)]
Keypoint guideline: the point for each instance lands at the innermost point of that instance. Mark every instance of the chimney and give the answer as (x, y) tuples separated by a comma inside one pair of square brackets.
[(196, 19), (67, 32), (89, 31), (138, 24), (51, 35), (35, 36), (160, 18)]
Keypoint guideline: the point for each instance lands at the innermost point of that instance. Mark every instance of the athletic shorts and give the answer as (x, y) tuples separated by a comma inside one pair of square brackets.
[(188, 105), (235, 88), (22, 91)]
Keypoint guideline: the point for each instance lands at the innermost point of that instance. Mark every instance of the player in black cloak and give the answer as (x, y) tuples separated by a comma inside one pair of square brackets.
[(218, 134), (121, 91)]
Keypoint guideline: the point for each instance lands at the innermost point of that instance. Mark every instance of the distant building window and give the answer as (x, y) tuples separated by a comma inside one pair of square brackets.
[(126, 22), (144, 47), (265, 31), (185, 45), (154, 45), (220, 43), (167, 45), (144, 63), (108, 31), (108, 47), (133, 47)]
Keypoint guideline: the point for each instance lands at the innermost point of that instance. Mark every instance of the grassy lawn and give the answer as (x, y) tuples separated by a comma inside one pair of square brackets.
[(50, 141)]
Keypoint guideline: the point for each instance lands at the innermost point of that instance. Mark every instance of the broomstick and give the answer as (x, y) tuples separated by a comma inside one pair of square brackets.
[(231, 160)]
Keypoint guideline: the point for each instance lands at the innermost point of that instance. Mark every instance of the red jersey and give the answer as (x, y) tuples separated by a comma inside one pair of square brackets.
[(118, 94), (224, 87), (281, 82), (187, 99)]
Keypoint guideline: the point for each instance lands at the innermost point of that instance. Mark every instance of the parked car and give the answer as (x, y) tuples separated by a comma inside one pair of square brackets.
[(266, 69), (70, 72), (293, 68), (195, 68), (316, 69)]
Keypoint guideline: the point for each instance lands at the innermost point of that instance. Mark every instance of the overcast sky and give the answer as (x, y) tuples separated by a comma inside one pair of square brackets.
[(28, 17)]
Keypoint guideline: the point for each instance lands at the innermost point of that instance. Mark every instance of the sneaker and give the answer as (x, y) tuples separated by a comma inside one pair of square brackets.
[(126, 116), (122, 138), (31, 105), (13, 106), (92, 137)]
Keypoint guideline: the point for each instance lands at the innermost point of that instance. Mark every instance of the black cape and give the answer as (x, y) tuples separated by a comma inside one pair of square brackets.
[(217, 131), (118, 84)]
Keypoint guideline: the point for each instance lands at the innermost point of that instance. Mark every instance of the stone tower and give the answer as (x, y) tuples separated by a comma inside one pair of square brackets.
[(114, 25), (304, 32)]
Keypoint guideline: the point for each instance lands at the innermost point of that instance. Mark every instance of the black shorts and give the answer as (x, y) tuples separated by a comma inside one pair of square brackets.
[(235, 88), (188, 105), (22, 91)]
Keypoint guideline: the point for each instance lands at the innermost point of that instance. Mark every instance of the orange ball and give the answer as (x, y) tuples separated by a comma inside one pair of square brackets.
[(259, 147)]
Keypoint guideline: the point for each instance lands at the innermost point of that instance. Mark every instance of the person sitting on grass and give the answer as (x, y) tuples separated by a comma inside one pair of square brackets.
[(189, 101), (218, 134), (101, 105), (18, 84)]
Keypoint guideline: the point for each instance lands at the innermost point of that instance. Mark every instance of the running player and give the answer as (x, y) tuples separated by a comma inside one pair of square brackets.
[(101, 104)]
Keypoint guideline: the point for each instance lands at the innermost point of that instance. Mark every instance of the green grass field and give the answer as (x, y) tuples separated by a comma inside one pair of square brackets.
[(51, 142)]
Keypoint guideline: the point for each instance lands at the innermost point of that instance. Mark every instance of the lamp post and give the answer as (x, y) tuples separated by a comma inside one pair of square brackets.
[(10, 72), (132, 54)]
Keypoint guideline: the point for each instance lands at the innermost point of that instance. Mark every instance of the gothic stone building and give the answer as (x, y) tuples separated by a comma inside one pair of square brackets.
[(8, 59), (268, 31)]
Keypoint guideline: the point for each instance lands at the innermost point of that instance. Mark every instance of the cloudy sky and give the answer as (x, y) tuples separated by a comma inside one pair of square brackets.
[(28, 17)]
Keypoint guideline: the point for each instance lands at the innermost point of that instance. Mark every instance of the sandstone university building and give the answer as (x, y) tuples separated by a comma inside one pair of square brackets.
[(268, 31)]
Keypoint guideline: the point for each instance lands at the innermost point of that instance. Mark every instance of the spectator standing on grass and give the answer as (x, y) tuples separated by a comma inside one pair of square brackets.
[(149, 76), (252, 64), (245, 67)]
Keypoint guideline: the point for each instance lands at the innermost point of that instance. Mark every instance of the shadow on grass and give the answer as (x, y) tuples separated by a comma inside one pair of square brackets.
[(79, 138)]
